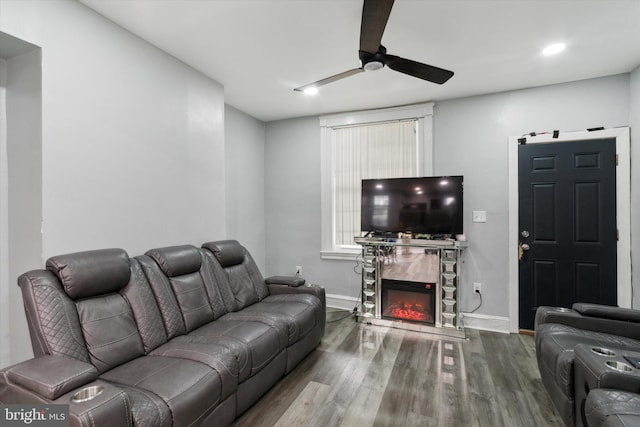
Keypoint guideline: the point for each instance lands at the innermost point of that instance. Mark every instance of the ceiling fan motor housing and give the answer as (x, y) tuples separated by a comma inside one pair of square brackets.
[(373, 61)]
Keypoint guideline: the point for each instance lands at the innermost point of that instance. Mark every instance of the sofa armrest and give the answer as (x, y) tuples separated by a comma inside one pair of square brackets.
[(607, 312), (111, 407), (306, 289), (292, 281), (51, 376)]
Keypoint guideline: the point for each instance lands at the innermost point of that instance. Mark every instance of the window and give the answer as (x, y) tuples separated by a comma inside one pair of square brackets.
[(388, 143), (379, 150)]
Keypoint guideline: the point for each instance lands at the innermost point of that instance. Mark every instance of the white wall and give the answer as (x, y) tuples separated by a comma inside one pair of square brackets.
[(470, 138), (132, 139), (245, 168), (634, 123)]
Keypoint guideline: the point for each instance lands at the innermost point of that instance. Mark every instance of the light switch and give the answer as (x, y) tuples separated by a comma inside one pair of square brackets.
[(479, 216)]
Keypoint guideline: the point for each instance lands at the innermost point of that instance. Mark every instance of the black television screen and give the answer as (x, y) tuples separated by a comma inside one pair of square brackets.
[(427, 205)]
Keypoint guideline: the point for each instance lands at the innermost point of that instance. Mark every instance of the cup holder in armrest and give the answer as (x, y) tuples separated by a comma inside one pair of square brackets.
[(603, 351), (618, 366), (87, 393)]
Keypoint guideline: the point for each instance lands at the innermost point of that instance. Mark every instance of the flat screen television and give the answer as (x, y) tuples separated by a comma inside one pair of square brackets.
[(427, 205)]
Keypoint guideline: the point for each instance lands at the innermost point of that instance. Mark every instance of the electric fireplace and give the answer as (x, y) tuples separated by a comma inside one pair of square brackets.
[(406, 300)]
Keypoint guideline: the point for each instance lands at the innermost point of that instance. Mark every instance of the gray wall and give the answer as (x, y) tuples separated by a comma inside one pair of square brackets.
[(292, 194), (24, 154), (245, 169), (132, 139), (634, 123), (470, 138)]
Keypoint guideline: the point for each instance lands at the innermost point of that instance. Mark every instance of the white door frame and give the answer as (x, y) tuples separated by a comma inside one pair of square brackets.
[(623, 211)]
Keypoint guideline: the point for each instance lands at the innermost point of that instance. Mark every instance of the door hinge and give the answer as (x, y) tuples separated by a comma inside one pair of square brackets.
[(617, 234), (617, 160)]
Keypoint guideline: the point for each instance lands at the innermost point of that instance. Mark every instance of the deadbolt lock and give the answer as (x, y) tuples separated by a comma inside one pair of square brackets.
[(524, 233)]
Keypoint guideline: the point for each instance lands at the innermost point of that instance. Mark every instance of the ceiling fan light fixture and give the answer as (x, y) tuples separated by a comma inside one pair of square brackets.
[(553, 49), (373, 66)]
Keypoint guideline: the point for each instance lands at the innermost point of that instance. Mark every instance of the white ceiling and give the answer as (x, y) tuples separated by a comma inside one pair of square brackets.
[(260, 50)]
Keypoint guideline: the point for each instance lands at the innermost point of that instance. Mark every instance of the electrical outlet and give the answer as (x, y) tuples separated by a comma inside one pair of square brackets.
[(477, 287), (298, 270)]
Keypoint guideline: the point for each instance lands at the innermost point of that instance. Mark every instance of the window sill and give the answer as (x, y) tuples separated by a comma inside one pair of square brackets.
[(341, 255)]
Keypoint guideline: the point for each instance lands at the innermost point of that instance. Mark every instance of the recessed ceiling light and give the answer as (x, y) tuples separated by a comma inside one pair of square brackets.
[(552, 49), (311, 90)]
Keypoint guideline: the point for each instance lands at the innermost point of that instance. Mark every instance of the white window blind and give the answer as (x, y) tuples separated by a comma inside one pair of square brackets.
[(381, 150)]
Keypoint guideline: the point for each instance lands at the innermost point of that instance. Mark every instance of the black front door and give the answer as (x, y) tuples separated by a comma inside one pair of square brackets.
[(567, 215)]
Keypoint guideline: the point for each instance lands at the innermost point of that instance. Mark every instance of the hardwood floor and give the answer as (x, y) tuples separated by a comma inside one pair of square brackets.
[(363, 375)]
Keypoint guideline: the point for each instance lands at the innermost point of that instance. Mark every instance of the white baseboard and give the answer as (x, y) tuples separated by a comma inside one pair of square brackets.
[(486, 322), (341, 301)]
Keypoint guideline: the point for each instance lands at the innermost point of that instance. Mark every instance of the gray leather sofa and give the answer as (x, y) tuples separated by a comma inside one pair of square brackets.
[(578, 350), (179, 336)]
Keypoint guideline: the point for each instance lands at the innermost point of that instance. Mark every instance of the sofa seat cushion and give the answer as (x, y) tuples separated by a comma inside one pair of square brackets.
[(612, 408), (218, 356), (190, 389), (299, 313), (147, 409), (313, 314), (254, 343)]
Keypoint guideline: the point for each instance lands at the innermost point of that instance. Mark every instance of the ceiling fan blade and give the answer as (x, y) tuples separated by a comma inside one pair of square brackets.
[(375, 14), (329, 79), (418, 69)]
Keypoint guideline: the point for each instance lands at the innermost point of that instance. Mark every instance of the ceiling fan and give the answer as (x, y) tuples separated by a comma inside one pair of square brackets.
[(373, 56)]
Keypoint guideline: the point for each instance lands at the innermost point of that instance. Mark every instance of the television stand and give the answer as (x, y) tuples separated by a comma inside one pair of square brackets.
[(411, 284)]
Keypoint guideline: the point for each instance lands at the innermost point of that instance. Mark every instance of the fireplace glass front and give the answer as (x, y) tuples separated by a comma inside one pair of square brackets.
[(405, 300)]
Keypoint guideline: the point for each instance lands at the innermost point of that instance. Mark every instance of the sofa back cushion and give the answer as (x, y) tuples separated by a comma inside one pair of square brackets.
[(109, 330), (145, 309), (181, 266), (221, 297), (94, 279), (242, 274), (91, 273), (164, 296)]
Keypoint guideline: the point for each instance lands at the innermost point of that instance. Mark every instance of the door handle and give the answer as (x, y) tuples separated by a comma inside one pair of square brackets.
[(522, 248)]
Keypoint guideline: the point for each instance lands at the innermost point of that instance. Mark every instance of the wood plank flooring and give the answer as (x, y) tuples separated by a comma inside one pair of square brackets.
[(364, 375)]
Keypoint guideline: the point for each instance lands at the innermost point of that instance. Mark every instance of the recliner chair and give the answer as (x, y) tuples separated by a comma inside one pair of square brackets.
[(560, 330)]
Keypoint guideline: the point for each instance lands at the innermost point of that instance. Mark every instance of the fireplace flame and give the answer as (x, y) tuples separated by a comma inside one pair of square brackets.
[(408, 311)]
